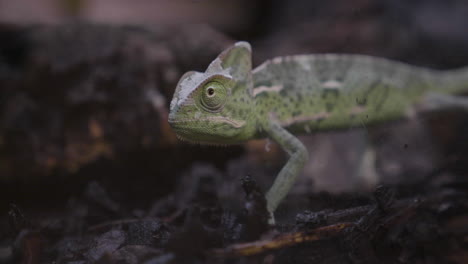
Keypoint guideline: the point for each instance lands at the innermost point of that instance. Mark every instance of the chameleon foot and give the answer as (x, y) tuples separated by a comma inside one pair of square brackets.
[(368, 176), (271, 219)]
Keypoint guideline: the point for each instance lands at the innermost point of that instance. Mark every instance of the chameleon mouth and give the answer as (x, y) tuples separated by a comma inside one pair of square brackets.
[(185, 129), (182, 130), (203, 130), (195, 137), (210, 119), (183, 138)]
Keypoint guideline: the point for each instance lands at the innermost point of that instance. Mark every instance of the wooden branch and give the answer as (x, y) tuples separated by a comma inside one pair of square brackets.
[(282, 241)]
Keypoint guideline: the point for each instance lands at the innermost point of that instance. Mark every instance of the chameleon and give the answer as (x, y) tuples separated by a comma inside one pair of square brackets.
[(231, 103)]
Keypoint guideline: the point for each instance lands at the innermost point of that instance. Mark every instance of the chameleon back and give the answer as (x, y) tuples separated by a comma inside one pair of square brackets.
[(325, 92)]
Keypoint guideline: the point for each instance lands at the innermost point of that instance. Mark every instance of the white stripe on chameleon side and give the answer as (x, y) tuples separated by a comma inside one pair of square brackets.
[(261, 89), (332, 84)]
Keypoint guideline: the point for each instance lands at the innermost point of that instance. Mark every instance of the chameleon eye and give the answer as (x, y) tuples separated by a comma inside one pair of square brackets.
[(213, 97), (210, 91)]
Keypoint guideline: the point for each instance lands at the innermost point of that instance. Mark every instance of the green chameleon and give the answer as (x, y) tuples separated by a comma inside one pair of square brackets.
[(230, 103)]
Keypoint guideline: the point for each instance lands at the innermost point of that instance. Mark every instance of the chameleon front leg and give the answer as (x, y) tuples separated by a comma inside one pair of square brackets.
[(287, 176)]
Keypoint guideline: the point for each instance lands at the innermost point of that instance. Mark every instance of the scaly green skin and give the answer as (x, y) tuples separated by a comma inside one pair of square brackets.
[(231, 103)]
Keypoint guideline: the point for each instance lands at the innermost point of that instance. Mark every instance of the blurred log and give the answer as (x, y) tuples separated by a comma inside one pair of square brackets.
[(75, 93)]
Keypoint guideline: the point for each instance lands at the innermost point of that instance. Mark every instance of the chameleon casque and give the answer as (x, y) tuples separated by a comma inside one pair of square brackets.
[(230, 103)]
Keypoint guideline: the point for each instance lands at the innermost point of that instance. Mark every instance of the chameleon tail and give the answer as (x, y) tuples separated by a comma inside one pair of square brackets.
[(454, 81), (444, 94)]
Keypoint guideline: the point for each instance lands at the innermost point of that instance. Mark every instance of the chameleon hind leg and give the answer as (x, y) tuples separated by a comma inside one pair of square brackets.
[(298, 156), (366, 176)]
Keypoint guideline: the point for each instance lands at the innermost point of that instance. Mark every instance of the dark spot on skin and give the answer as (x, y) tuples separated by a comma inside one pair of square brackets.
[(296, 113), (371, 88), (383, 98), (405, 146), (263, 83), (329, 107), (361, 102), (330, 92), (320, 119)]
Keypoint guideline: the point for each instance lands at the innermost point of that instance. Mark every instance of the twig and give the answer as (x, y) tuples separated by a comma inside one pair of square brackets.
[(282, 241)]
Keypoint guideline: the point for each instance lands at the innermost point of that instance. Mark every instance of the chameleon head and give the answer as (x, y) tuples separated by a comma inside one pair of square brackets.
[(215, 107)]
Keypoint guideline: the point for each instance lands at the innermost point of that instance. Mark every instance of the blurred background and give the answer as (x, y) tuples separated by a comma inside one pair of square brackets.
[(85, 87)]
